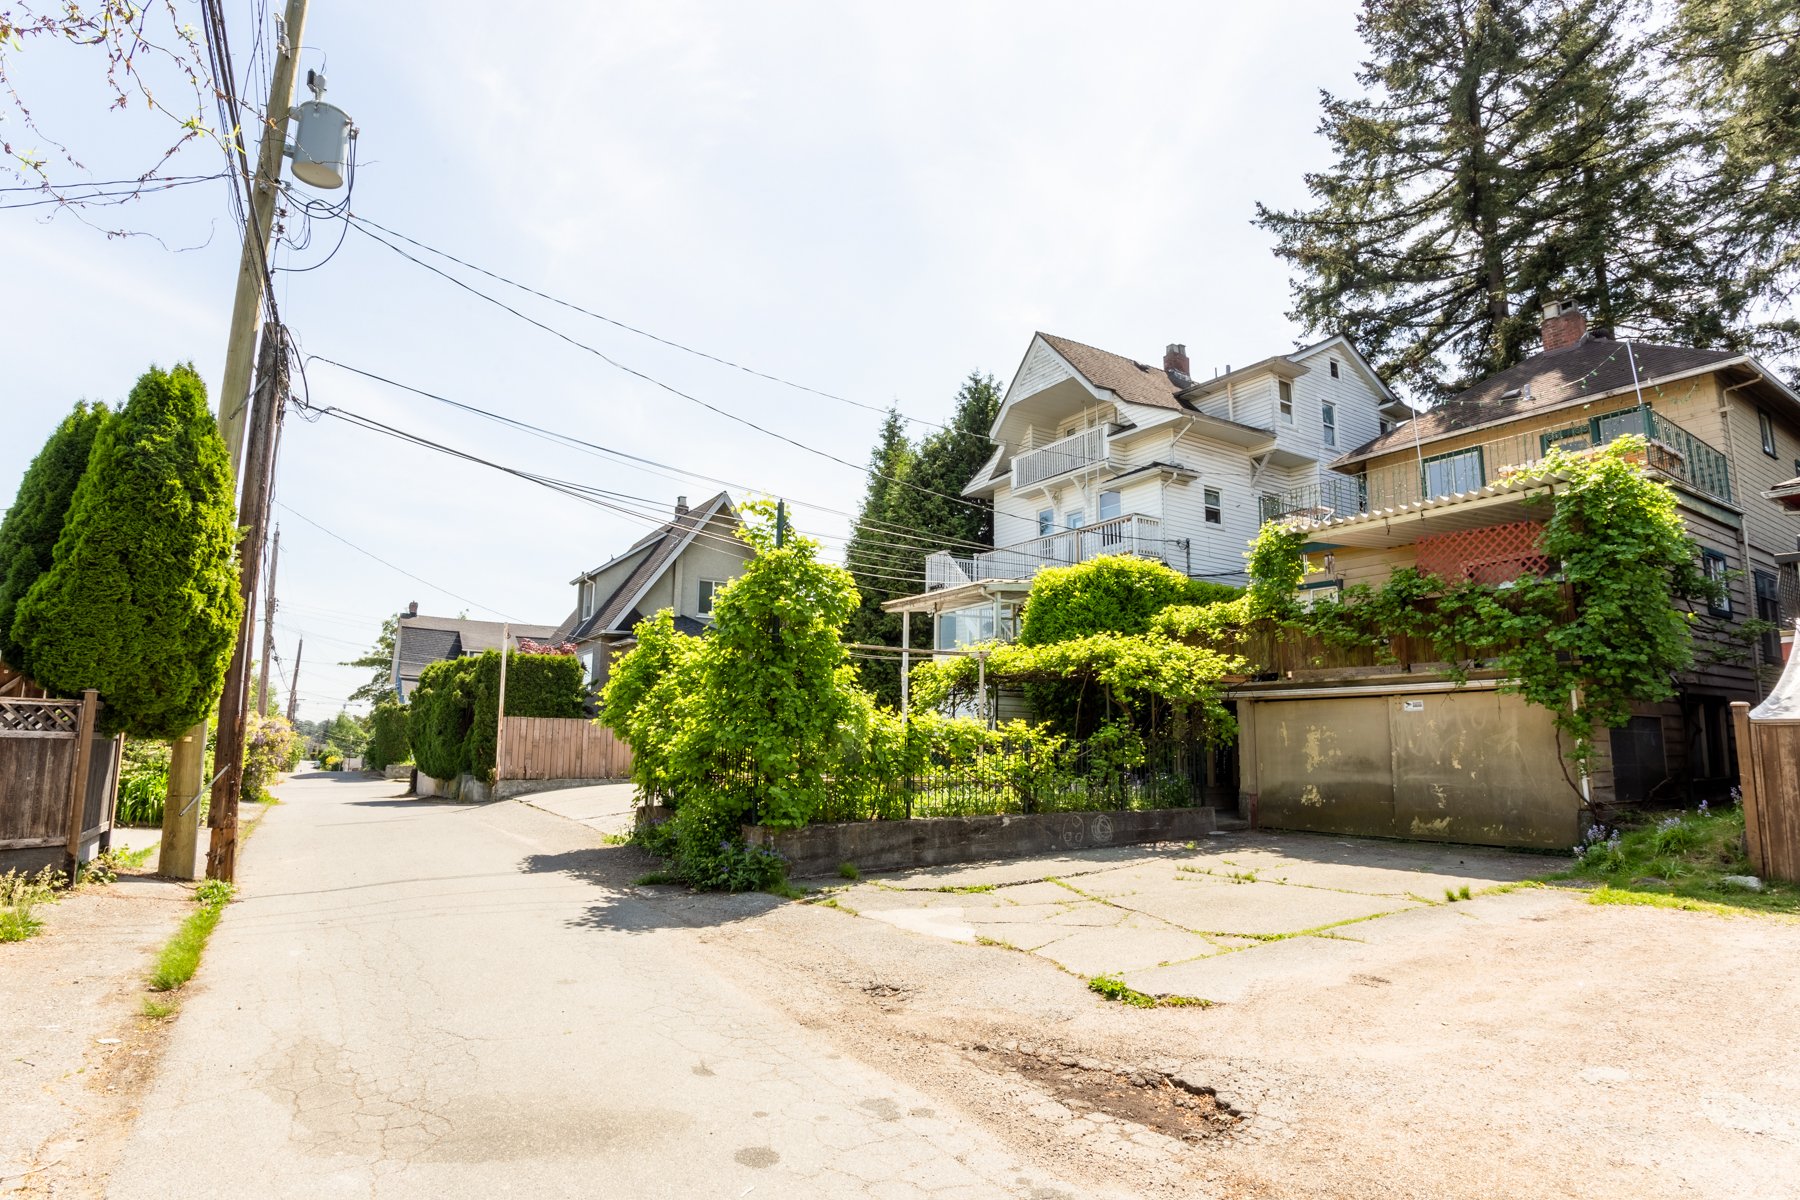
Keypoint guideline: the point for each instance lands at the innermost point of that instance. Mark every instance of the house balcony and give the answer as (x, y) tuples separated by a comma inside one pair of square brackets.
[(1495, 473), (1077, 452), (1129, 534)]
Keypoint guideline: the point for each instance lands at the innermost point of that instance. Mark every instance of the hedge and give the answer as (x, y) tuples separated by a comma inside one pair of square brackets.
[(453, 716), (387, 736)]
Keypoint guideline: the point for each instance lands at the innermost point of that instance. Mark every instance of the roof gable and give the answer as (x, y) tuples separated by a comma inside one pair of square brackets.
[(614, 614)]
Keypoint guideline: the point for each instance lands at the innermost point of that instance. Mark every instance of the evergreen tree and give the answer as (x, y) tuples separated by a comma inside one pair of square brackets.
[(141, 599), (29, 532), (380, 659), (1740, 60), (914, 506), (1508, 153)]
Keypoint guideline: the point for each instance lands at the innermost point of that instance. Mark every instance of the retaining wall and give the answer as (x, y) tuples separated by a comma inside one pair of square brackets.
[(899, 845)]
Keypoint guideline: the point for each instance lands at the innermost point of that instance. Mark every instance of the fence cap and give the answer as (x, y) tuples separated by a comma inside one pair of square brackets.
[(1783, 702)]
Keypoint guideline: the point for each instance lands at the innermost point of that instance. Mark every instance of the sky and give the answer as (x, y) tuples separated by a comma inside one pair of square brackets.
[(868, 200)]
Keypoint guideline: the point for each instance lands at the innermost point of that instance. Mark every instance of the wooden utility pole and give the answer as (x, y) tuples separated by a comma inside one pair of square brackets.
[(500, 730), (253, 268), (268, 645), (187, 754), (294, 683), (253, 512)]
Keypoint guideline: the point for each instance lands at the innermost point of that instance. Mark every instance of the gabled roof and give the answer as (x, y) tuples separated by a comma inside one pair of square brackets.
[(1126, 378), (1592, 368), (618, 613), (422, 640)]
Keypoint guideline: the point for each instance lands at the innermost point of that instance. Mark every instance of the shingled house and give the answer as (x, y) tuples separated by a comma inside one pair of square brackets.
[(681, 565), (421, 640), (1454, 493)]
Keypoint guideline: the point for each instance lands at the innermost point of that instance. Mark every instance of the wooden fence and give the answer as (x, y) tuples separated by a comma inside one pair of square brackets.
[(1769, 775), (58, 777), (561, 748)]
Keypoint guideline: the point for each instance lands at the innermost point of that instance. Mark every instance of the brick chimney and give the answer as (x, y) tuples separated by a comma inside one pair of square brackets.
[(1564, 325), (681, 506), (1175, 362), (412, 610)]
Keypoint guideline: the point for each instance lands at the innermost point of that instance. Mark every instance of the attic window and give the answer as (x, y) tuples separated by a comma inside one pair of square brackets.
[(1334, 369)]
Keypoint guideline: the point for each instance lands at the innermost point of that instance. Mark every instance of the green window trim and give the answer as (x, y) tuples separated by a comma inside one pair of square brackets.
[(1589, 429), (1425, 469)]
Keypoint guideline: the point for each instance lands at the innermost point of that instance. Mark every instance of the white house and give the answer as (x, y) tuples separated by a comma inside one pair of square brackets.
[(1096, 453)]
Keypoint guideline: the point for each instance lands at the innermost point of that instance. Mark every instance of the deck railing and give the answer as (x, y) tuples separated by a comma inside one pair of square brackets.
[(1072, 453), (1129, 534), (1671, 451)]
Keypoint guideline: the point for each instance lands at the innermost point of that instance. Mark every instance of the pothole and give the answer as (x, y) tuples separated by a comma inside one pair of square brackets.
[(1151, 1098)]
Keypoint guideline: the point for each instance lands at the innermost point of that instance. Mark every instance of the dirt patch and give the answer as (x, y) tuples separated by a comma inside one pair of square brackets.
[(1144, 1096)]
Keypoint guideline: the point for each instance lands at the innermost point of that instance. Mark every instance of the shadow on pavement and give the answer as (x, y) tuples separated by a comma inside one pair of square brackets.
[(624, 907)]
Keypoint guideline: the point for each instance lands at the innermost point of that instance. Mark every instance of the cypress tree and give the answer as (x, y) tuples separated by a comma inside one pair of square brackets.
[(35, 520), (141, 599), (870, 553), (1508, 152)]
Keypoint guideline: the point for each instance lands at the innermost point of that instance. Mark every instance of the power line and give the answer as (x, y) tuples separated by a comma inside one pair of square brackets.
[(384, 562), (658, 338), (881, 527), (654, 382)]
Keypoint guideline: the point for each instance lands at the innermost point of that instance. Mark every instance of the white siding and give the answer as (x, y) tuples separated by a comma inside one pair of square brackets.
[(1357, 399)]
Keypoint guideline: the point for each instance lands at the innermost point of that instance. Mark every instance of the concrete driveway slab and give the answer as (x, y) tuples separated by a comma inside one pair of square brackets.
[(1257, 908), (1234, 977), (1110, 951)]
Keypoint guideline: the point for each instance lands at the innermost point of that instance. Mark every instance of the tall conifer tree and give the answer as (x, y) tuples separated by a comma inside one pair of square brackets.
[(34, 522), (141, 599)]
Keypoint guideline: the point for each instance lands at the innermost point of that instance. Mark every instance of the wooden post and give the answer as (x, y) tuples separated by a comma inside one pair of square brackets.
[(253, 511), (78, 784), (181, 806), (500, 715), (1747, 786)]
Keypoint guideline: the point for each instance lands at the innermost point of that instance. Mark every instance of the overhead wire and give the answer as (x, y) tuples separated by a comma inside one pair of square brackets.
[(658, 338), (898, 481), (882, 527)]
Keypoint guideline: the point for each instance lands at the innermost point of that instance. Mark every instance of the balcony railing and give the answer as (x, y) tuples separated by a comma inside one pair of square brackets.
[(1130, 534), (1671, 451), (1083, 449)]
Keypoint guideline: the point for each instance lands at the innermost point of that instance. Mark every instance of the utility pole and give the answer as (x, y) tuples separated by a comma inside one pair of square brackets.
[(253, 511), (500, 729), (294, 683), (268, 645), (187, 754), (253, 269)]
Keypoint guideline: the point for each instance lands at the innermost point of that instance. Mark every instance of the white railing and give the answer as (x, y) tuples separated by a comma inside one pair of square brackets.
[(1072, 453), (1130, 534)]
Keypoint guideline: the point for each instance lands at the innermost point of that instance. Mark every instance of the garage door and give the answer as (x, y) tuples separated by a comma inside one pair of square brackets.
[(1326, 765)]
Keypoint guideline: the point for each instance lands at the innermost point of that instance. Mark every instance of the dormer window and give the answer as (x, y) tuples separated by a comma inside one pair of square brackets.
[(1285, 390)]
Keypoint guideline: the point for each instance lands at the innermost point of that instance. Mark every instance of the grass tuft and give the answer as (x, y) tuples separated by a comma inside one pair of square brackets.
[(1111, 987), (180, 958), (158, 1010), (1676, 857), (848, 870), (17, 923)]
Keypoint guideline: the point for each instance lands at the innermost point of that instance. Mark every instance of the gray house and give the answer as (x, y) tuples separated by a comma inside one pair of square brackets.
[(680, 566), (421, 640)]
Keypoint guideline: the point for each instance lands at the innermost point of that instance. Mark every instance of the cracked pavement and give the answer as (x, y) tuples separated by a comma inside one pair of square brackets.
[(422, 999)]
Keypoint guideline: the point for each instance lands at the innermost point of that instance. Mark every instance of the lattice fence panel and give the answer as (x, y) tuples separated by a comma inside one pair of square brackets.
[(1496, 554), (40, 716)]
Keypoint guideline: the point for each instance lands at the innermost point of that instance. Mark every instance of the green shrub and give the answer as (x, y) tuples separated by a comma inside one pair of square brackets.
[(269, 743), (141, 598), (34, 522), (387, 736), (1115, 593)]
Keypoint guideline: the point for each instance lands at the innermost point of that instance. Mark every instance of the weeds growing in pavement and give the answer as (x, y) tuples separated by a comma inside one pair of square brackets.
[(1112, 987), (180, 957), (1678, 856)]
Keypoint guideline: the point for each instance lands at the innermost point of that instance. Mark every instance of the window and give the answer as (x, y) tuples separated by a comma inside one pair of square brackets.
[(587, 661), (587, 597), (1768, 608), (1286, 391), (1448, 474), (709, 591), (1328, 422), (1712, 565), (1046, 522), (1074, 518), (1768, 433), (1109, 505), (965, 626), (1334, 373), (1214, 510), (1387, 426)]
